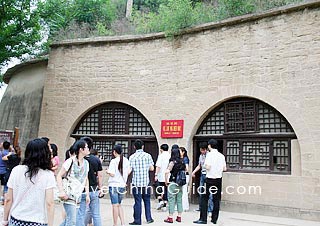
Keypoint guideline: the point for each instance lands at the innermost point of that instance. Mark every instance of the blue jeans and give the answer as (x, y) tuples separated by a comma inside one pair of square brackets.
[(141, 193), (116, 194), (93, 209), (71, 215)]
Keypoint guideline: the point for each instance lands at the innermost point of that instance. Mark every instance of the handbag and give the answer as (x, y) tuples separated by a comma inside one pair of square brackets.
[(72, 187)]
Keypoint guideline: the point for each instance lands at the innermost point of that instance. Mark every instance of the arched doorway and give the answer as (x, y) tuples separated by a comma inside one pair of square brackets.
[(253, 136), (116, 123)]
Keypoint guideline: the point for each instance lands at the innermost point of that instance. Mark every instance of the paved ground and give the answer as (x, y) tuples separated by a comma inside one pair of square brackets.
[(226, 218)]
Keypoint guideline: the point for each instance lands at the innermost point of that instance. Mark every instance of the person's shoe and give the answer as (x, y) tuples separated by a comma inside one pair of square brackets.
[(213, 222), (168, 220), (160, 205), (164, 209), (150, 221), (134, 223), (197, 210), (200, 222), (178, 219)]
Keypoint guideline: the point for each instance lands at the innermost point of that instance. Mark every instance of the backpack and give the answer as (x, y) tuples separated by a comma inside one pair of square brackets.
[(181, 178)]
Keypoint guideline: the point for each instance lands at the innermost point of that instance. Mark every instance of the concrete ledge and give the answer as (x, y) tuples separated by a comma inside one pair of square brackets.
[(268, 210), (19, 67)]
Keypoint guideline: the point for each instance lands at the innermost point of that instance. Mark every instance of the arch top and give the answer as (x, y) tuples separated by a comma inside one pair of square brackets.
[(253, 136)]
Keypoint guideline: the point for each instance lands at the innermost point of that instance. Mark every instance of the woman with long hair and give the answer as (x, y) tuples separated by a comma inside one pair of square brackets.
[(174, 190), (185, 159), (30, 195), (77, 168), (118, 171)]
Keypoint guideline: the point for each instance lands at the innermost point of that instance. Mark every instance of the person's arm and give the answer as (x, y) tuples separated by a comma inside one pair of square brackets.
[(111, 171), (156, 173), (62, 194), (207, 166), (187, 167), (151, 168), (168, 170), (195, 170), (54, 165), (5, 158), (100, 179), (50, 206), (87, 192), (208, 162), (166, 175), (224, 164), (7, 206)]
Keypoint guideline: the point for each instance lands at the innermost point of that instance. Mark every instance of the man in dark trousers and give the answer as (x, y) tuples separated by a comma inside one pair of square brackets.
[(95, 184), (141, 163), (214, 164)]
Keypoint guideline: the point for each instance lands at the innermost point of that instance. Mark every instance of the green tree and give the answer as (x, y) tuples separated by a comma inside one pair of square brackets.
[(20, 34), (78, 18)]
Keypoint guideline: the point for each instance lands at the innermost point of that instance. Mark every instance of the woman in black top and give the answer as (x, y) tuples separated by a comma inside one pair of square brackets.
[(12, 159), (176, 165)]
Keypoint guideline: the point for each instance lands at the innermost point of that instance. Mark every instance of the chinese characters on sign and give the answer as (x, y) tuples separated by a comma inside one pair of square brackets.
[(171, 128), (6, 136)]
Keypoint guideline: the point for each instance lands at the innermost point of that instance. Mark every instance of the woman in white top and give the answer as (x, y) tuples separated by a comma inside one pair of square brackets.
[(119, 169), (77, 168), (30, 195)]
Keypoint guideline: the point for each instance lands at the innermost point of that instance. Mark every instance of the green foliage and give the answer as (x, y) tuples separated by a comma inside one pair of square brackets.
[(263, 5), (64, 16), (231, 8), (148, 5), (173, 17), (20, 30)]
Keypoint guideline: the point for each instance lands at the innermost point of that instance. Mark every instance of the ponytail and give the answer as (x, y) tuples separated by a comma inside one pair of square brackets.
[(120, 166), (118, 149)]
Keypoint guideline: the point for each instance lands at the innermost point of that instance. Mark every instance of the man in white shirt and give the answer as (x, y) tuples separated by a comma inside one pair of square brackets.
[(215, 164), (161, 166)]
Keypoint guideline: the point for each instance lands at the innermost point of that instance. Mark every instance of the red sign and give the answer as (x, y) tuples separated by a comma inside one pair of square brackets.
[(171, 128)]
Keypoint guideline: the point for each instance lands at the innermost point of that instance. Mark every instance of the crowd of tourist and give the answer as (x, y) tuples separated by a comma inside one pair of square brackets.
[(31, 189)]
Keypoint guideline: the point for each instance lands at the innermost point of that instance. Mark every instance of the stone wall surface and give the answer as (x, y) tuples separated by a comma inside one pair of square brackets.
[(274, 59), (21, 103)]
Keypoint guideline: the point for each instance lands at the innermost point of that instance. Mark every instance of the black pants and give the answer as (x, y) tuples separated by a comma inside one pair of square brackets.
[(215, 185)]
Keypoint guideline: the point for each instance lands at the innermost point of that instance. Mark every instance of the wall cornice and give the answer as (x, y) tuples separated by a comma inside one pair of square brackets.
[(19, 67)]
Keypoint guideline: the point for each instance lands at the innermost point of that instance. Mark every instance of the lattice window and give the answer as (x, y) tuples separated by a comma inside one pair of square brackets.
[(104, 149), (240, 117), (214, 123), (120, 121), (281, 156), (90, 124), (253, 136), (271, 122), (233, 154), (138, 125), (115, 119), (255, 155), (106, 120)]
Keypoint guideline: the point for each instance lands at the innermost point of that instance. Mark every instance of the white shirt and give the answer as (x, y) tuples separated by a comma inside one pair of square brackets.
[(29, 202), (118, 180), (162, 163), (217, 162)]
